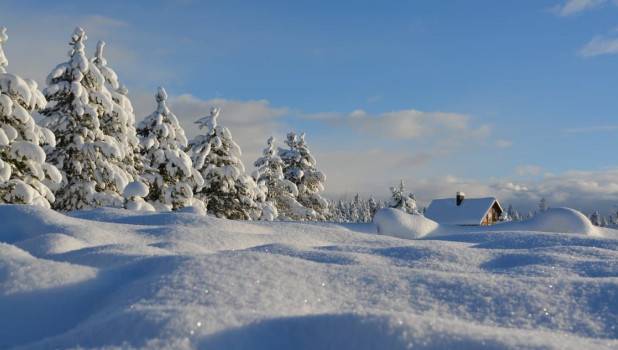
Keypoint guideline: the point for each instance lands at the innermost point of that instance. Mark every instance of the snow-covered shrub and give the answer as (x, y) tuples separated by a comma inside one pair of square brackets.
[(300, 169), (168, 170), (402, 201), (89, 159), (25, 176), (281, 192), (134, 194), (228, 191), (119, 123)]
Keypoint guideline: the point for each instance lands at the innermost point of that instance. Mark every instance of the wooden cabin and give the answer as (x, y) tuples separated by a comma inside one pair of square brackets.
[(465, 211)]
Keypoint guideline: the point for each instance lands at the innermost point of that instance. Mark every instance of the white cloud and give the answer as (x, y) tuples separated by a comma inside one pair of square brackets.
[(572, 7), (600, 45), (251, 122), (591, 129), (529, 170), (504, 143), (409, 124)]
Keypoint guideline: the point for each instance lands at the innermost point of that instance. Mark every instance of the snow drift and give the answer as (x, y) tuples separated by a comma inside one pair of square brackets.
[(396, 223), (111, 278)]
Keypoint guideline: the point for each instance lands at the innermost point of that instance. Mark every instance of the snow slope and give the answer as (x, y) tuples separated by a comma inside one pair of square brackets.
[(114, 278)]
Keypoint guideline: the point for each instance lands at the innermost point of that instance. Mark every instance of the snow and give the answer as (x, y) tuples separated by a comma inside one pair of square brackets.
[(135, 189), (470, 212), (113, 278), (397, 223)]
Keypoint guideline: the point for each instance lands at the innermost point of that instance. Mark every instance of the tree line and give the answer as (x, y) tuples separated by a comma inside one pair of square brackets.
[(86, 151)]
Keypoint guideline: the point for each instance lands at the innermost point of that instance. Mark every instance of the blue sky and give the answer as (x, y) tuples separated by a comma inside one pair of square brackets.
[(515, 99)]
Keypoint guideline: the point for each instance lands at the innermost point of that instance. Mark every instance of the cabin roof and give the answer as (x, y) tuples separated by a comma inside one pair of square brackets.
[(472, 211)]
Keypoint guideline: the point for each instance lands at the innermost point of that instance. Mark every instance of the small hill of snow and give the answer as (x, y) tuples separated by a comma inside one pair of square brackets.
[(111, 278), (560, 220), (396, 223)]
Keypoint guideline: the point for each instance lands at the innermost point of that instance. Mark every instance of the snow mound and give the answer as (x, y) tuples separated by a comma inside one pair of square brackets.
[(558, 220), (135, 189), (53, 243), (21, 272), (112, 278), (397, 223)]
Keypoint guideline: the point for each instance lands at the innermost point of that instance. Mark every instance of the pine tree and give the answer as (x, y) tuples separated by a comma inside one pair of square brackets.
[(373, 207), (595, 218), (227, 190), (24, 173), (120, 123), (401, 200), (300, 169), (169, 171), (280, 192), (86, 156), (543, 205)]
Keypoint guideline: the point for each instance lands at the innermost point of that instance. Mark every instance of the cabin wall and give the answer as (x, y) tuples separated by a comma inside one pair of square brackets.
[(492, 217)]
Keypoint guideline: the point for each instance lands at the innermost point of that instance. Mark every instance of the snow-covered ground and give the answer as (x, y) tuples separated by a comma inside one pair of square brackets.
[(114, 278)]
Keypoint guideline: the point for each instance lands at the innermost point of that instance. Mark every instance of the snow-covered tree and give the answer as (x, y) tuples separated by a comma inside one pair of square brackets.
[(543, 205), (88, 159), (300, 168), (281, 192), (228, 191), (373, 207), (168, 170), (403, 201), (505, 217), (513, 214), (120, 122), (595, 218), (24, 172)]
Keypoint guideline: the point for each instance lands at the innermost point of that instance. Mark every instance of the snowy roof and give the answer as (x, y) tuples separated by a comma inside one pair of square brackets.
[(470, 212)]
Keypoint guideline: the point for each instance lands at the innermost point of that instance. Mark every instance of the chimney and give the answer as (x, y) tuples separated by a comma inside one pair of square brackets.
[(460, 198)]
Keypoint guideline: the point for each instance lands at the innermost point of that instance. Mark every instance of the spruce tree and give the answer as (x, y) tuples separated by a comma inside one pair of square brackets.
[(86, 156), (280, 192), (401, 200), (595, 218), (228, 191), (300, 168), (24, 172), (120, 122), (168, 171), (543, 205)]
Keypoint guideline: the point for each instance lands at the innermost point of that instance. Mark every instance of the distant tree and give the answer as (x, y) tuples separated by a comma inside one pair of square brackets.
[(168, 171), (543, 205), (24, 172), (228, 191), (595, 218), (402, 200), (373, 207), (505, 217), (513, 213), (604, 221), (300, 167), (281, 192)]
